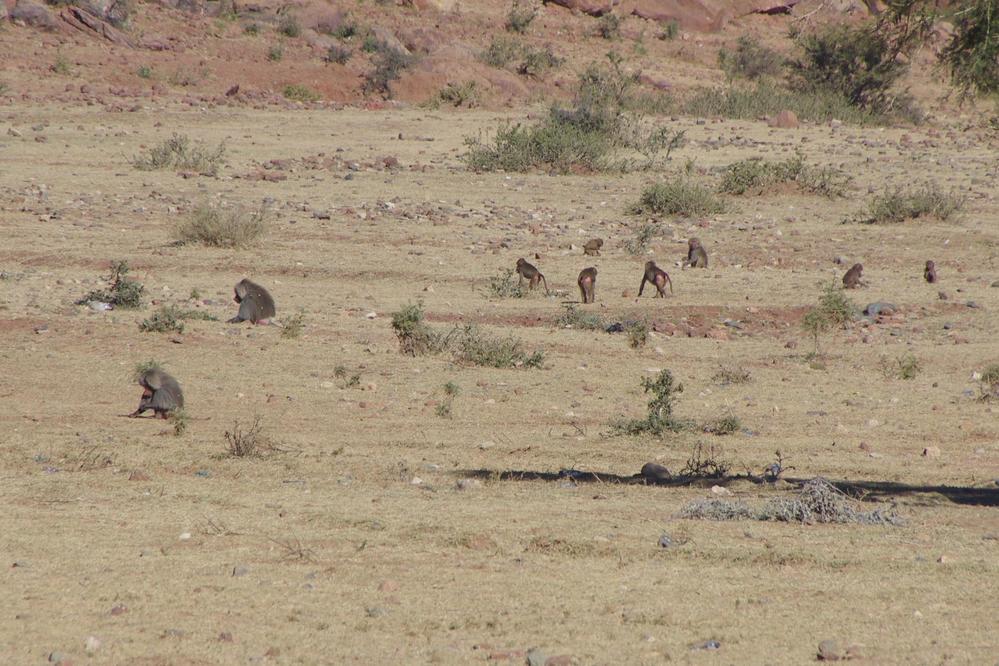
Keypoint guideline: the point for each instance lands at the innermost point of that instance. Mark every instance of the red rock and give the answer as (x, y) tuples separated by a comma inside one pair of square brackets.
[(507, 655), (388, 586), (559, 660)]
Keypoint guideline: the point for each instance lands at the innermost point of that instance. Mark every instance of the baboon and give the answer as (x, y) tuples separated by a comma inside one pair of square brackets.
[(530, 273), (852, 278), (592, 247), (696, 255), (658, 277), (160, 393), (255, 304), (588, 284), (930, 272)]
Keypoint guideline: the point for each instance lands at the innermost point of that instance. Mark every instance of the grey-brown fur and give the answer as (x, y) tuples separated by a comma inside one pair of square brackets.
[(697, 256), (161, 393), (656, 276), (588, 284), (852, 278), (930, 273), (530, 273), (255, 303), (592, 247)]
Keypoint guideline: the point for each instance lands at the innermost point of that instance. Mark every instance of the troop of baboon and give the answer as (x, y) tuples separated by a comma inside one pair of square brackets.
[(162, 394)]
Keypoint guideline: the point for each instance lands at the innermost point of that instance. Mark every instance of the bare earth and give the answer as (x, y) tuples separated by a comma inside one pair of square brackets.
[(352, 542)]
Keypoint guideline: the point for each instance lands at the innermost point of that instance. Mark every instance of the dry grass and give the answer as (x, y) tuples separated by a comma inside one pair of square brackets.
[(217, 226)]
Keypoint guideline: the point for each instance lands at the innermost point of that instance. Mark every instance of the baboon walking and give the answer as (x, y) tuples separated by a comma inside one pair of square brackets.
[(696, 254), (530, 273), (588, 284), (658, 277)]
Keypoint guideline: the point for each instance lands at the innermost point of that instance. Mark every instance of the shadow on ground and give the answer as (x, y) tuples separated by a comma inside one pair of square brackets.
[(864, 490)]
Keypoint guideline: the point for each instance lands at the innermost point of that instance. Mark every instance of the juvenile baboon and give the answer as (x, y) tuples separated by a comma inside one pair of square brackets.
[(530, 273), (160, 393), (930, 273), (592, 247), (658, 277), (255, 304), (588, 284), (852, 278), (696, 255)]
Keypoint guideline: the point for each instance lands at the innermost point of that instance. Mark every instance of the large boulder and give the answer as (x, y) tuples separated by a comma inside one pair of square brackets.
[(34, 14)]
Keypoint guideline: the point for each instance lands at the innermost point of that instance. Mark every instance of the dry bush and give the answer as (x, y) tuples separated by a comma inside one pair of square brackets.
[(818, 501), (122, 291), (246, 442), (901, 205), (178, 152), (216, 226)]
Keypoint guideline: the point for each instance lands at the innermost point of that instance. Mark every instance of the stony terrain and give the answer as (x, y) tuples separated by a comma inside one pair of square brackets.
[(375, 530)]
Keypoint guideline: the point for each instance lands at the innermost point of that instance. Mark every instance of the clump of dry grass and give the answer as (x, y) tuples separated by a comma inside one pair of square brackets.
[(818, 501), (178, 152), (216, 226), (246, 442)]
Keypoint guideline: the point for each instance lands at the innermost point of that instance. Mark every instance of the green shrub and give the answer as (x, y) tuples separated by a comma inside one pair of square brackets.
[(726, 425), (768, 99), (389, 65), (507, 284), (170, 318), (573, 317), (860, 64), (643, 236), (519, 17), (638, 334), (659, 420), (609, 26), (536, 62), (178, 152), (834, 309), (759, 176), (750, 60), (906, 366), (346, 30), (223, 227), (476, 348), (293, 326), (338, 54), (731, 375), (415, 336), (297, 92), (677, 196), (275, 53), (456, 94), (670, 31), (988, 383), (502, 51), (289, 26), (145, 72), (901, 205), (122, 291)]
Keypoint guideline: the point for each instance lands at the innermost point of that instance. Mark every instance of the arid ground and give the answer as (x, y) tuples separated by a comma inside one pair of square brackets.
[(377, 529)]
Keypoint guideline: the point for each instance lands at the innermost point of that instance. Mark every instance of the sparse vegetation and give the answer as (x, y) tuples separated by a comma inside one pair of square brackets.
[(766, 98), (179, 420), (643, 236), (389, 65), (61, 65), (276, 52), (727, 375), (289, 26), (476, 348), (834, 309), (906, 366), (609, 26), (677, 196), (445, 408), (758, 176), (585, 137), (750, 60), (726, 425), (573, 317), (178, 152), (670, 31), (519, 17), (705, 463), (346, 30), (122, 291), (347, 379), (252, 29), (507, 285), (988, 384), (145, 72), (338, 54), (638, 334), (170, 319), (860, 64), (464, 94), (245, 441), (818, 501), (665, 392), (293, 326), (901, 205), (501, 52), (297, 92), (415, 336), (218, 226)]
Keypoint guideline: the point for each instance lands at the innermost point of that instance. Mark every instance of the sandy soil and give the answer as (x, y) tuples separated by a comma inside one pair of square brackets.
[(352, 542)]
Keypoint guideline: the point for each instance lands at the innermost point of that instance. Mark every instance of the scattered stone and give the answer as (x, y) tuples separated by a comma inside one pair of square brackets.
[(138, 475), (536, 657), (830, 651), (92, 644), (184, 536), (44, 328), (28, 12), (942, 295), (59, 658), (973, 305), (786, 119), (375, 611), (655, 472), (996, 283), (507, 655), (225, 637), (931, 452), (240, 570), (721, 490), (119, 609), (559, 660), (879, 308), (388, 586), (371, 315), (707, 645), (468, 484), (666, 541), (416, 481)]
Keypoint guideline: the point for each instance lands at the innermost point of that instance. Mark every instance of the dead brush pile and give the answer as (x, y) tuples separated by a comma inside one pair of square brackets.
[(818, 501)]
